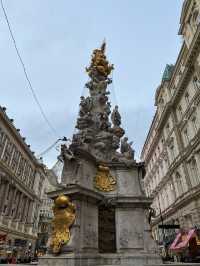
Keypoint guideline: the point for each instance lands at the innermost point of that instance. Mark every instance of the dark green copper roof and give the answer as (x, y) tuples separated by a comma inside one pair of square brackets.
[(168, 72)]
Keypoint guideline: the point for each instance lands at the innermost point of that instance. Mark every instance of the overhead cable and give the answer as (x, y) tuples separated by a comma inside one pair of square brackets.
[(26, 74), (52, 146)]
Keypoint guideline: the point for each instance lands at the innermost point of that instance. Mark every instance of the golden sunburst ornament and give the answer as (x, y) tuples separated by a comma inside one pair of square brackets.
[(103, 180)]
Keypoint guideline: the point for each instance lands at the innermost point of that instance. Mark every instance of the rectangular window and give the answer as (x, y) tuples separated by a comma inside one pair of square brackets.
[(8, 152), (186, 137), (15, 159), (167, 129), (180, 111), (172, 153), (187, 98), (194, 124), (2, 140)]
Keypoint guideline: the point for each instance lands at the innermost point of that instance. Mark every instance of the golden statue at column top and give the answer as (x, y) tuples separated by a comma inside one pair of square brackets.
[(99, 62)]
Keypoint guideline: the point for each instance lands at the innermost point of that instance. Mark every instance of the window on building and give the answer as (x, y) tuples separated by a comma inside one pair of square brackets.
[(194, 171), (167, 198), (161, 101), (2, 140), (12, 212), (163, 201), (172, 153), (180, 111), (8, 152), (15, 159), (173, 89), (194, 124), (172, 192), (196, 83), (167, 128), (161, 147), (179, 184), (186, 136), (187, 98), (4, 209), (195, 18)]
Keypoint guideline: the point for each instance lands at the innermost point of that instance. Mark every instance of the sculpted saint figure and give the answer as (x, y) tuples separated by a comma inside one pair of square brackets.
[(116, 117), (126, 148), (85, 105), (71, 165)]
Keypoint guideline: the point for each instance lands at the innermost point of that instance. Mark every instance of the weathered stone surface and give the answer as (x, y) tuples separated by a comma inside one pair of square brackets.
[(101, 260)]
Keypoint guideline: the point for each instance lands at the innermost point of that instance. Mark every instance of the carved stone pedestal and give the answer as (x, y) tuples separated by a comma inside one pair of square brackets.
[(100, 260), (121, 212)]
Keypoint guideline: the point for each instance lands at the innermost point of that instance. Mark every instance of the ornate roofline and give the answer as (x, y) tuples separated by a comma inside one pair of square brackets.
[(17, 135), (194, 47), (184, 13)]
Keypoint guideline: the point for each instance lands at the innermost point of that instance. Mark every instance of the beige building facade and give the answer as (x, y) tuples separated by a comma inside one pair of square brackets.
[(172, 148), (21, 183), (46, 213)]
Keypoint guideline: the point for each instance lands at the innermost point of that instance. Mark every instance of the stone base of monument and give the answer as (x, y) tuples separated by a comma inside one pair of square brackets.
[(100, 260)]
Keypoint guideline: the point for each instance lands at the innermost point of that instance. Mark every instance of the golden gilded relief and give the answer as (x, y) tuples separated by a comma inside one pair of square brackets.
[(99, 62), (104, 181), (64, 217)]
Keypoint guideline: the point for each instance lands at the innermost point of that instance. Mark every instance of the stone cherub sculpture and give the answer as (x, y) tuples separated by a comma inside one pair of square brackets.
[(126, 149), (116, 117), (71, 165), (85, 105)]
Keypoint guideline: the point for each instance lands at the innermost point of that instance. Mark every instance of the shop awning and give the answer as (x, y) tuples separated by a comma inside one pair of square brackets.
[(3, 237), (182, 239)]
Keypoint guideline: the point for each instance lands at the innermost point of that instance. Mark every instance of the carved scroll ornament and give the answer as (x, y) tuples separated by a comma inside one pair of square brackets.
[(104, 181)]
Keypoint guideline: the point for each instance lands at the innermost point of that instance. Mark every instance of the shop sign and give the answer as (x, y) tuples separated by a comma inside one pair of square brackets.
[(20, 242), (169, 226)]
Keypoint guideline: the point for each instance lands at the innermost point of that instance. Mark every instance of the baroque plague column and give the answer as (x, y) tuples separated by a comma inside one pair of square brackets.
[(102, 181)]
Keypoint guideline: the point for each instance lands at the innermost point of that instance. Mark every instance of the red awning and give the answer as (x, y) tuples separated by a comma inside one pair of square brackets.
[(182, 239), (2, 237)]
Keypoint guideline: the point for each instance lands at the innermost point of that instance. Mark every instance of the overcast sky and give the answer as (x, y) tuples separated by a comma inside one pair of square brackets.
[(56, 39)]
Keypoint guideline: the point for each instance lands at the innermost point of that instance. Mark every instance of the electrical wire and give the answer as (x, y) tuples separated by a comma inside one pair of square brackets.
[(53, 145), (26, 74), (49, 148)]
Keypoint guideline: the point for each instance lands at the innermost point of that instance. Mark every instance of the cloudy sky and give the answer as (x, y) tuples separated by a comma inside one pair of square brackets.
[(56, 39)]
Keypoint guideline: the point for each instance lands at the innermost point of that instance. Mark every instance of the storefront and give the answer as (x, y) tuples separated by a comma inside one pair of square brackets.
[(5, 249), (186, 246), (18, 248)]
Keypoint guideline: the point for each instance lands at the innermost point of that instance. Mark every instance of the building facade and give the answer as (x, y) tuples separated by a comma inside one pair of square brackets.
[(21, 181), (172, 148), (46, 213)]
